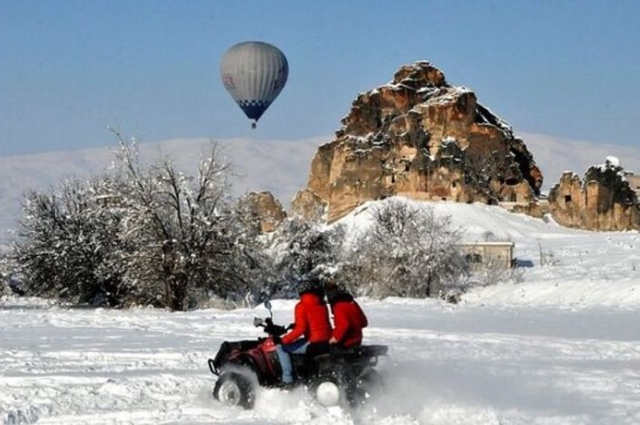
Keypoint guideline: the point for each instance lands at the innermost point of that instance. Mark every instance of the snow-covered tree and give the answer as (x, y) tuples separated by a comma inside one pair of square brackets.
[(188, 239), (69, 245), (408, 251)]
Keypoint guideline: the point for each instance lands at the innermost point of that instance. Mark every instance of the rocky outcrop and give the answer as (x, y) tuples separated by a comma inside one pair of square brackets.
[(422, 138), (263, 210), (308, 205), (604, 200)]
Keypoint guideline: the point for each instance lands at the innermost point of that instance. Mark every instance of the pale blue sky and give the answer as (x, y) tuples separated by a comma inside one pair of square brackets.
[(150, 69)]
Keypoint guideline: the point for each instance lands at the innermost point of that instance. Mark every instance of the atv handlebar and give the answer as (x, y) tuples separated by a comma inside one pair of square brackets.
[(270, 327)]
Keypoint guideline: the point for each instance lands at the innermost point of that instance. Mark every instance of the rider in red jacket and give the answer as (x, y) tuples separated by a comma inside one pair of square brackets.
[(312, 326), (348, 318), (311, 320)]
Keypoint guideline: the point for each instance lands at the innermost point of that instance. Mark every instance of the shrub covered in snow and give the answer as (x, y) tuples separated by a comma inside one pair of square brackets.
[(404, 250), (407, 251)]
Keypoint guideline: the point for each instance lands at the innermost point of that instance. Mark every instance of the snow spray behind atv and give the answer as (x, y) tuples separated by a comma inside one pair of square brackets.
[(333, 376)]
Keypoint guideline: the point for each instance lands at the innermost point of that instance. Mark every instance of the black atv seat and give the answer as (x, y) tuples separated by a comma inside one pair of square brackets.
[(373, 350), (317, 349), (361, 351)]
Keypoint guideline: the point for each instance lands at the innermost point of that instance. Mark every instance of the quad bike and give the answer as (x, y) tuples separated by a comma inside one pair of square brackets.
[(332, 375)]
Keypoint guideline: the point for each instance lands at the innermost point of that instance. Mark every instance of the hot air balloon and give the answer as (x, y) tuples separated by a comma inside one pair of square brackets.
[(254, 74)]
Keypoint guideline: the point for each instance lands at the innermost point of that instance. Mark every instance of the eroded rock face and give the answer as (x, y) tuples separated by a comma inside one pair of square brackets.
[(604, 200), (422, 138), (265, 210), (307, 204)]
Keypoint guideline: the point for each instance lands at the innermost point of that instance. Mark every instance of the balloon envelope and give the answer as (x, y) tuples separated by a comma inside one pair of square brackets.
[(254, 74)]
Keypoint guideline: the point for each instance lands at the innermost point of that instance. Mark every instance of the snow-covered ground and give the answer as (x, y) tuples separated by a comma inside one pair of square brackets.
[(560, 347)]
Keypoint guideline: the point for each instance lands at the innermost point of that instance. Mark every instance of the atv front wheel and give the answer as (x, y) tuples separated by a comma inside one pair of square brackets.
[(234, 389)]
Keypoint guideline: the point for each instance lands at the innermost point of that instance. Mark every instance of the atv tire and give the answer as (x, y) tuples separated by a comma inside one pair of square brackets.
[(234, 389), (333, 390)]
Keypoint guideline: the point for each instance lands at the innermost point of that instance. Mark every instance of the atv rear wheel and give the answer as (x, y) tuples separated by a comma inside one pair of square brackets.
[(369, 386), (332, 390), (234, 389)]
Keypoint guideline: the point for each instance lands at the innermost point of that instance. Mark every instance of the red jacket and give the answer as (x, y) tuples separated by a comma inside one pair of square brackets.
[(311, 320), (348, 320)]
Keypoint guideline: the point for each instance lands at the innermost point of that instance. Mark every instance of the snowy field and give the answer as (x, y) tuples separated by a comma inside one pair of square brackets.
[(561, 347)]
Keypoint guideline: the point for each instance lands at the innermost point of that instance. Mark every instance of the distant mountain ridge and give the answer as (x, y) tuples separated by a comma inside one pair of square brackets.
[(279, 166)]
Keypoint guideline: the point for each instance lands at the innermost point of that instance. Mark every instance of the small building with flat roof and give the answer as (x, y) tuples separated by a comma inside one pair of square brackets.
[(495, 253)]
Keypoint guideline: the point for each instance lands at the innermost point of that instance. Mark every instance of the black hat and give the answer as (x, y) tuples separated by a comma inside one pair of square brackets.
[(336, 293), (309, 284)]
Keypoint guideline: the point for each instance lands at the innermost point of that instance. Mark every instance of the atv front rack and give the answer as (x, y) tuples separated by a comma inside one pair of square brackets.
[(212, 367), (226, 351)]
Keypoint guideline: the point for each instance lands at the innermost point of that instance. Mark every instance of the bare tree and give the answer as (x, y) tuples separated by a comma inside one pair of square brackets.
[(186, 230)]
